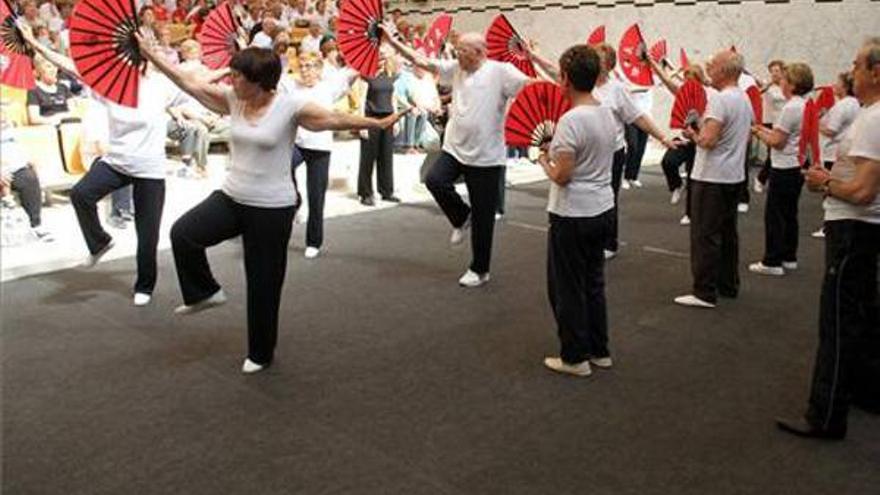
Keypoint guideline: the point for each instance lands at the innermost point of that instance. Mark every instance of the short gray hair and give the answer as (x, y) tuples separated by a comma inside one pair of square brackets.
[(872, 51), (729, 64), (474, 39)]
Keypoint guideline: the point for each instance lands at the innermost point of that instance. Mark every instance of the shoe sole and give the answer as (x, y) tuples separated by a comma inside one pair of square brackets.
[(197, 307)]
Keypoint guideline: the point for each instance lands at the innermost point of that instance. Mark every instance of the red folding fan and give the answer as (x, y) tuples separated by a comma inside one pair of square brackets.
[(16, 68), (437, 34), (597, 36), (359, 35), (658, 52), (754, 95), (220, 37), (532, 118), (808, 144), (104, 49), (633, 57), (690, 103), (824, 98), (683, 61), (505, 45)]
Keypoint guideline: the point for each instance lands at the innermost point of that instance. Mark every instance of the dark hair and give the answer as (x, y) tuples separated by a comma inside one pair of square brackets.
[(847, 79), (776, 63), (800, 77), (607, 54), (581, 65), (260, 66)]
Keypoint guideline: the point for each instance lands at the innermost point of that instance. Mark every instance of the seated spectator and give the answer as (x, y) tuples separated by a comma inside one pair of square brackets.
[(265, 38), (31, 13), (181, 13), (147, 18), (47, 102), (163, 33), (17, 175), (321, 14), (300, 14), (311, 43)]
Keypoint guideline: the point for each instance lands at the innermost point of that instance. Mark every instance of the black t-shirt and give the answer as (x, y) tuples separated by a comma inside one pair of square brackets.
[(49, 103), (380, 95)]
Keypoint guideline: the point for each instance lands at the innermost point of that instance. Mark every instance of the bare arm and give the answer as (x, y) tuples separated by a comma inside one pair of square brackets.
[(773, 138), (647, 124), (316, 118), (543, 63), (559, 168), (861, 190), (708, 135), (408, 53), (64, 63), (671, 85)]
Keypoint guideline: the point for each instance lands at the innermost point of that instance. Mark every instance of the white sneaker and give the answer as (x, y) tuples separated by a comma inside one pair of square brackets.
[(789, 265), (142, 299), (558, 365), (42, 234), (676, 196), (216, 299), (249, 367), (499, 217), (757, 186), (819, 234), (311, 252), (602, 363), (458, 234), (693, 301), (610, 254), (625, 184), (776, 271), (637, 183), (472, 279), (93, 259), (742, 207), (685, 220)]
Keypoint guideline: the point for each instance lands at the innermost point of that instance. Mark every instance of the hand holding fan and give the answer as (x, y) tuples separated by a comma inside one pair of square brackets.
[(220, 37), (690, 103), (359, 35), (597, 36), (17, 69), (505, 45), (532, 118), (808, 144), (632, 56), (754, 95)]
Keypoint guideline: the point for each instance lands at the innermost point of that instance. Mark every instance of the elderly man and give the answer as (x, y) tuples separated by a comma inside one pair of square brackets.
[(721, 150), (474, 143), (846, 367)]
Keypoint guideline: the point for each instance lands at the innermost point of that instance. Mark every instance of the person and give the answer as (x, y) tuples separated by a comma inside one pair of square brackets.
[(785, 180), (721, 148), (636, 138), (18, 175), (846, 369), (473, 144), (311, 42), (315, 148), (136, 156), (580, 209), (265, 37), (47, 103), (773, 100), (258, 199)]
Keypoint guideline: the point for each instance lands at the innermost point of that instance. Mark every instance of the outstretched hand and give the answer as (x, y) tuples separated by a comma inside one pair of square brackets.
[(392, 119)]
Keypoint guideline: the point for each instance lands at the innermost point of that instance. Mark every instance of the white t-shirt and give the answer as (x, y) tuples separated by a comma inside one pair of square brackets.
[(643, 98), (790, 120), (475, 132), (774, 100), (261, 152), (262, 40), (136, 140), (615, 96), (327, 92), (12, 155), (724, 164), (746, 81), (310, 43), (589, 133), (861, 140), (837, 120)]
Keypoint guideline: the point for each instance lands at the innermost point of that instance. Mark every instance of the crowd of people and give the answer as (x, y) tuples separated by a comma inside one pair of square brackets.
[(596, 150)]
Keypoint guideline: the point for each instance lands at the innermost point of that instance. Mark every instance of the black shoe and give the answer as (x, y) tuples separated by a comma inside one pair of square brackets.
[(391, 199), (368, 201), (802, 428)]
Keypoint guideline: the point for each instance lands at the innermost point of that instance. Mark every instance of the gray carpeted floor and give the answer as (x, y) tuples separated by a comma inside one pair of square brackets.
[(390, 379)]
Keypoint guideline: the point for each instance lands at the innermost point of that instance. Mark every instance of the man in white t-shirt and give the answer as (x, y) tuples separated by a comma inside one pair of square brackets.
[(474, 142), (718, 170), (847, 367)]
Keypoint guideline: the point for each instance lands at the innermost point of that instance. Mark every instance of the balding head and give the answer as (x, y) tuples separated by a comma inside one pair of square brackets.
[(724, 68), (471, 48), (866, 72)]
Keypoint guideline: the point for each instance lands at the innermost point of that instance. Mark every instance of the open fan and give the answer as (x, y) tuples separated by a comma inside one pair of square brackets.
[(532, 118), (824, 98), (632, 55), (16, 68), (690, 103), (597, 36), (360, 35), (683, 61), (505, 45), (437, 34), (808, 144), (755, 99), (104, 48), (219, 37), (658, 52)]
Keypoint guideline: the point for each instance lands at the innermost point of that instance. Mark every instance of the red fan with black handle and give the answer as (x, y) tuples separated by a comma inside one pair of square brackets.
[(437, 34), (505, 45), (534, 113), (824, 98), (16, 66), (754, 95), (104, 48), (597, 36), (658, 53), (683, 61), (359, 35), (220, 37), (633, 57), (690, 103), (808, 144)]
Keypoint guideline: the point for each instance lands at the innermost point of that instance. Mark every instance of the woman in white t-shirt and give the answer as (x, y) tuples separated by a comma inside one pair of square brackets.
[(773, 101), (258, 199), (323, 88), (785, 181)]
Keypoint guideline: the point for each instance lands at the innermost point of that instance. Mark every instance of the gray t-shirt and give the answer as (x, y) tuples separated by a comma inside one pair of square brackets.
[(861, 140), (261, 153), (589, 133), (724, 164), (789, 121), (615, 96), (837, 120)]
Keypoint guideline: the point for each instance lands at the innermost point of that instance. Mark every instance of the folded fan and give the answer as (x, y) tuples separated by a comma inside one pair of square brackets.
[(755, 99), (534, 113), (808, 144), (824, 98)]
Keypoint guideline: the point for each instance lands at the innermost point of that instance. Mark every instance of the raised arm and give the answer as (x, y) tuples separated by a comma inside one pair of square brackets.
[(550, 68), (647, 124), (210, 95), (316, 118), (408, 53), (671, 85), (64, 63)]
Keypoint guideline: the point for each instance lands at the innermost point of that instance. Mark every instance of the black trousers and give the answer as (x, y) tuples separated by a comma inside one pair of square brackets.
[(26, 183), (482, 185), (502, 190), (847, 366), (265, 233), (781, 216), (576, 284), (672, 161), (377, 149), (714, 240), (617, 166), (149, 200), (317, 177), (636, 142)]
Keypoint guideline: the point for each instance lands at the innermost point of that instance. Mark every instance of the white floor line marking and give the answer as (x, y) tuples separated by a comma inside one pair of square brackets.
[(527, 226), (656, 250)]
